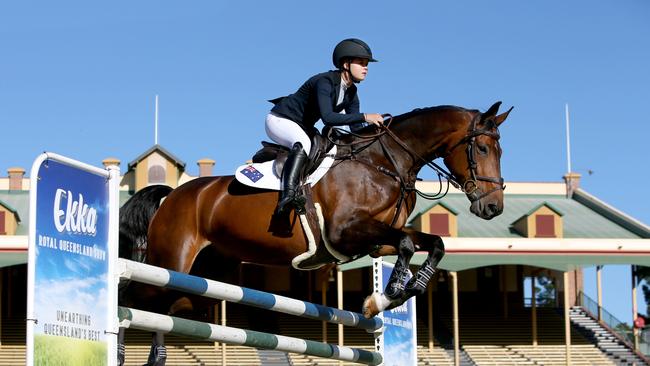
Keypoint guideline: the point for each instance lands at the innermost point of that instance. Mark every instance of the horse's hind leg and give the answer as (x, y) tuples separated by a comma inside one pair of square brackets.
[(121, 347), (158, 351)]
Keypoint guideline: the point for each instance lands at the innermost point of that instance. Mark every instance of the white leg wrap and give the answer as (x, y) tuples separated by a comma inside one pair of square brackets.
[(381, 300)]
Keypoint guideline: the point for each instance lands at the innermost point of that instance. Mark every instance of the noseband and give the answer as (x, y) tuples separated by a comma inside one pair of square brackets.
[(470, 186)]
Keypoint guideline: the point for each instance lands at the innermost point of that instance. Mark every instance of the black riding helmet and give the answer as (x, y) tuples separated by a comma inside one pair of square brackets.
[(351, 48)]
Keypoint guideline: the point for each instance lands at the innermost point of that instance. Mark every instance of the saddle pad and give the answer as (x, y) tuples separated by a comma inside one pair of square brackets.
[(262, 175)]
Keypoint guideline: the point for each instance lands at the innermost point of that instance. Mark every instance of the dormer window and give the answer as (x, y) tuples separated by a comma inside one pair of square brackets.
[(543, 221), (545, 226), (9, 219), (440, 220), (156, 174), (439, 224), (154, 166)]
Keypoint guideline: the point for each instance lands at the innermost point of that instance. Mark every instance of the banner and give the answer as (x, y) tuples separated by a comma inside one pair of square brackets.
[(400, 331), (69, 286)]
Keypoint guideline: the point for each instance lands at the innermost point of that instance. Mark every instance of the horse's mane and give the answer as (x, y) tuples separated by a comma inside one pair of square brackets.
[(419, 111), (408, 115)]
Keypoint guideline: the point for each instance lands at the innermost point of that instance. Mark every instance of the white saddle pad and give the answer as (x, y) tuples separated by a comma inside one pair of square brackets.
[(262, 175)]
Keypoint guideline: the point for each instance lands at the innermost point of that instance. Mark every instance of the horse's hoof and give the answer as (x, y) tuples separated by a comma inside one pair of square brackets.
[(375, 304), (369, 308)]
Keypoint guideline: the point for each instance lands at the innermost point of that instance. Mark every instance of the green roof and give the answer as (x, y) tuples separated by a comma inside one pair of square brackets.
[(579, 220), (19, 202)]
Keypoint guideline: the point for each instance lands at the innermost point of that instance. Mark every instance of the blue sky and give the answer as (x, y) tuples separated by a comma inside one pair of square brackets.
[(79, 78)]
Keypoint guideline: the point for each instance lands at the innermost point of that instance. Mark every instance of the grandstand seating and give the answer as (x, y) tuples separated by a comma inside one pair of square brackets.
[(485, 340)]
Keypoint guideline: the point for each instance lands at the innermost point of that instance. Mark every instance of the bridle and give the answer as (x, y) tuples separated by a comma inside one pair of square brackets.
[(470, 186)]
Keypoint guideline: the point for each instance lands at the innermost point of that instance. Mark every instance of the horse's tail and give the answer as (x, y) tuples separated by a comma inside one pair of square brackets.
[(135, 216)]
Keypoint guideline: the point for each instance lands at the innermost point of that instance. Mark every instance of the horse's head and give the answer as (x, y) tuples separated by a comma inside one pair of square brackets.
[(475, 162)]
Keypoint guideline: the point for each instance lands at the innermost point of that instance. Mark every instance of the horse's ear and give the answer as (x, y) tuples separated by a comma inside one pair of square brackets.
[(492, 111), (502, 117)]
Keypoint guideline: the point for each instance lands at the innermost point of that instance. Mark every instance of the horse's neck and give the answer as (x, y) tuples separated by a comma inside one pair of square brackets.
[(426, 137)]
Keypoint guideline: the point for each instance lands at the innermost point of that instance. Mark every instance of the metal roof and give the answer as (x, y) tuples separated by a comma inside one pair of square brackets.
[(18, 201), (579, 220)]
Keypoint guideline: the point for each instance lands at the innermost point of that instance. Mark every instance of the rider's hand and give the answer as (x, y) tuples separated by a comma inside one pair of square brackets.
[(374, 118)]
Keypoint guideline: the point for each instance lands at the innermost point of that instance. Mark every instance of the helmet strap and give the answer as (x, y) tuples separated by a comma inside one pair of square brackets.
[(349, 72)]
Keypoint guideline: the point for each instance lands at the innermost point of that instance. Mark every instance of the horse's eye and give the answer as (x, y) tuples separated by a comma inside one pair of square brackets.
[(482, 149)]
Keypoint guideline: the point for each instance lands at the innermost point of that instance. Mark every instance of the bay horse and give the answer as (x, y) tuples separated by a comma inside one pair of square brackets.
[(366, 198)]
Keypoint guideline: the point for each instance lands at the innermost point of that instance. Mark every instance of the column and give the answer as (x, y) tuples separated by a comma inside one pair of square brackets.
[(599, 284), (223, 322), (430, 314), (635, 330), (454, 286), (323, 290), (533, 309), (339, 292), (567, 322)]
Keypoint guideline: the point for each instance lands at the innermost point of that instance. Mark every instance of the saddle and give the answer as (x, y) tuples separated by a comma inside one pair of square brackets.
[(320, 145)]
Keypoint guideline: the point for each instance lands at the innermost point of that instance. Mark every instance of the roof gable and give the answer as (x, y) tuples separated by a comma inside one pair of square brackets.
[(10, 209), (157, 148), (545, 204)]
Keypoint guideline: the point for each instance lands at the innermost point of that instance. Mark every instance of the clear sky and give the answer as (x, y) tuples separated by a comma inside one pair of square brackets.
[(79, 78)]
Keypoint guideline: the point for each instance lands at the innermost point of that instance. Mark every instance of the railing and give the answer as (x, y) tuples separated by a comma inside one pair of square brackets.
[(622, 330), (539, 302)]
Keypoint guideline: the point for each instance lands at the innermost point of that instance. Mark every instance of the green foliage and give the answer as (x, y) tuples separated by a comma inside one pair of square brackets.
[(64, 351), (643, 273), (545, 291)]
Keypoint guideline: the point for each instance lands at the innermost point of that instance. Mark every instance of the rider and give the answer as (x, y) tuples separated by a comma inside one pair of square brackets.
[(330, 96)]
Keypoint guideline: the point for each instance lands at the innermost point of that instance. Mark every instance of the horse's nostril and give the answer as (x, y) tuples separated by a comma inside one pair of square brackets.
[(493, 208)]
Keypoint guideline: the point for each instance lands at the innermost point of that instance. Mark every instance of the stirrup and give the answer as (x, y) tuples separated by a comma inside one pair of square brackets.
[(296, 202)]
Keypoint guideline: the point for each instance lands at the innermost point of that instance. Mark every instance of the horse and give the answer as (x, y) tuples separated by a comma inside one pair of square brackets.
[(366, 198)]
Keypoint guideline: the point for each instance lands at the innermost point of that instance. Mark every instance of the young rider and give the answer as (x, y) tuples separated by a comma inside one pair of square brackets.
[(330, 96)]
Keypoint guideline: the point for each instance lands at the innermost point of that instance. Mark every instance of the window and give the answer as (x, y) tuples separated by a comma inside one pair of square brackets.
[(439, 224), (156, 174), (545, 226), (2, 223)]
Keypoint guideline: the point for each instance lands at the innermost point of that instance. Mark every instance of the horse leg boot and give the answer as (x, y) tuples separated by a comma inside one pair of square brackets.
[(417, 285), (121, 348), (158, 352), (394, 294), (291, 174)]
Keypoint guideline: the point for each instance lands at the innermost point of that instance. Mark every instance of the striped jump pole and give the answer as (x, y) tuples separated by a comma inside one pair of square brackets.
[(143, 320), (161, 277)]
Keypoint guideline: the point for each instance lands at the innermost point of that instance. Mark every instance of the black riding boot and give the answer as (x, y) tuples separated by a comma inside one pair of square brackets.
[(291, 179)]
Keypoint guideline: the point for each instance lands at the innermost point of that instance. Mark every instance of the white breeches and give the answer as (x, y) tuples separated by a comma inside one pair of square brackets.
[(286, 132)]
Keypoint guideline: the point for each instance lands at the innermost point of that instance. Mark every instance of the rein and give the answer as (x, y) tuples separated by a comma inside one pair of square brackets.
[(469, 187)]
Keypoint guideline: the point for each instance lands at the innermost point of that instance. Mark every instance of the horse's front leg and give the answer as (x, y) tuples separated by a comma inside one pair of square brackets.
[(394, 292), (433, 244), (397, 291)]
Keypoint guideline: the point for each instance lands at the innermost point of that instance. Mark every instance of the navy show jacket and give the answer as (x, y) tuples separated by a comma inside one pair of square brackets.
[(316, 99)]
